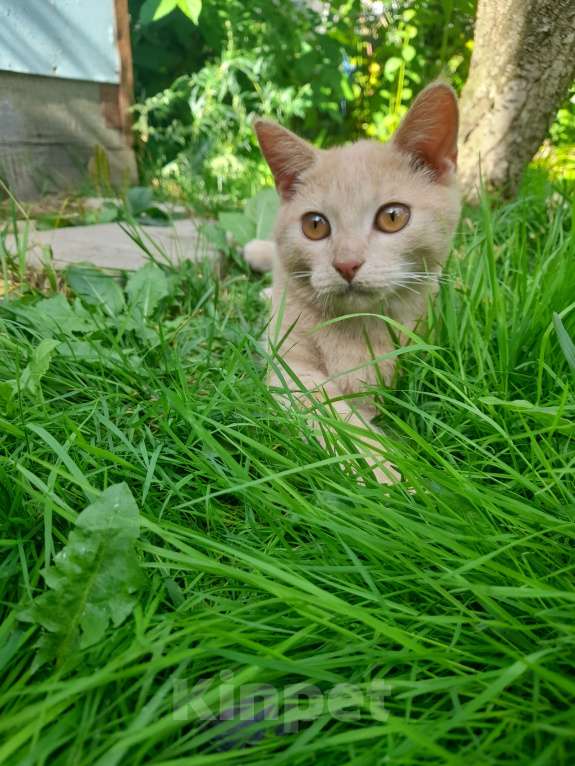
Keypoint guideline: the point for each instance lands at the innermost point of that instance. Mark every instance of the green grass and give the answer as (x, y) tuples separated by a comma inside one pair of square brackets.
[(449, 611)]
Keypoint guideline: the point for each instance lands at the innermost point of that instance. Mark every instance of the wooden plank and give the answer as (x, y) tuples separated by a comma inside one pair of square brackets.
[(49, 129)]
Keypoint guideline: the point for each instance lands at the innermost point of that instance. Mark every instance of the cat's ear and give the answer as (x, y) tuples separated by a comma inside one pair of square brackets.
[(429, 130), (286, 154)]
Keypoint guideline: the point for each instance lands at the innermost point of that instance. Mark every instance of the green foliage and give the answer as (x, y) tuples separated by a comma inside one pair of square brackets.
[(334, 71), (96, 288), (138, 205), (339, 74), (153, 10), (255, 222), (567, 345), (562, 131), (262, 210), (199, 132), (139, 199), (557, 155), (28, 381), (267, 564), (93, 580), (57, 316), (37, 367), (146, 288)]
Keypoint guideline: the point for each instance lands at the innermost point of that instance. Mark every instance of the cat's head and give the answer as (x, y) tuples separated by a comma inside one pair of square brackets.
[(361, 223)]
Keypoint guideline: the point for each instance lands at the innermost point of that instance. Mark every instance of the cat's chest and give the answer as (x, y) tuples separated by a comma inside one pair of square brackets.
[(352, 352)]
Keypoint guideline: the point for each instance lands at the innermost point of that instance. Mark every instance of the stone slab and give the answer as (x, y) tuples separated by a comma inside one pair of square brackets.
[(108, 245)]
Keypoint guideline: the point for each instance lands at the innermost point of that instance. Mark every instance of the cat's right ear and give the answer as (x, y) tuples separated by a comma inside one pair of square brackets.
[(287, 155)]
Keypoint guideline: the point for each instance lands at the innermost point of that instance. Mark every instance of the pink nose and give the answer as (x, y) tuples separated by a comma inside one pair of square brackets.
[(348, 269)]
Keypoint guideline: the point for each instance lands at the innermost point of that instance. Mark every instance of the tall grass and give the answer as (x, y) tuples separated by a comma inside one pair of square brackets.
[(432, 622)]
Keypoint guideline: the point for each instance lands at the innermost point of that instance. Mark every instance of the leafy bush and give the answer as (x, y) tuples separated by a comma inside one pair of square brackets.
[(332, 72), (198, 132)]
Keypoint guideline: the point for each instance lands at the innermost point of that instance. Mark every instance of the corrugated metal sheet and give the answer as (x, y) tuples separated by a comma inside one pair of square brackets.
[(73, 39)]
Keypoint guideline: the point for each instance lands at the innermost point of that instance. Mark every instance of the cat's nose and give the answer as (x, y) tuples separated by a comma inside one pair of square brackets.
[(347, 269)]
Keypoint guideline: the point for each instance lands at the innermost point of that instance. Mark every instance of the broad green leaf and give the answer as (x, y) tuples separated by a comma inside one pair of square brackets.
[(408, 53), (152, 10), (262, 209), (146, 288), (215, 234), (239, 225), (154, 216), (94, 351), (106, 214), (94, 579), (139, 199), (391, 66), (567, 345), (89, 351), (192, 9), (145, 333), (37, 367), (55, 316), (96, 288)]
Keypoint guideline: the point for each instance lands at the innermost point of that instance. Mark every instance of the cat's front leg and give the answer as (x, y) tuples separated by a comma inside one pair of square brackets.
[(315, 389)]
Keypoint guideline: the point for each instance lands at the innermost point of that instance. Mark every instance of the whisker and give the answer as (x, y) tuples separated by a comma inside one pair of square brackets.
[(403, 286), (427, 277), (434, 274)]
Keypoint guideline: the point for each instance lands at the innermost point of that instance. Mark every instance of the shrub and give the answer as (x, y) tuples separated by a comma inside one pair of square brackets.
[(333, 71)]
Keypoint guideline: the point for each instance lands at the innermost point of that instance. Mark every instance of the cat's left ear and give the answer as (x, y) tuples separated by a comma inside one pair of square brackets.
[(429, 130)]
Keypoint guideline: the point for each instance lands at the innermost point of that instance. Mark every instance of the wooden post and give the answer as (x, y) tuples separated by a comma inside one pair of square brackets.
[(126, 92)]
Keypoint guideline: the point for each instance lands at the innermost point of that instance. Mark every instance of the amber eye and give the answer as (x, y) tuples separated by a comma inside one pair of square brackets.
[(393, 217), (315, 226)]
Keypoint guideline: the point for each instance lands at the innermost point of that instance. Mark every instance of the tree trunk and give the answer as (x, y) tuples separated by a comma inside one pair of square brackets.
[(522, 65)]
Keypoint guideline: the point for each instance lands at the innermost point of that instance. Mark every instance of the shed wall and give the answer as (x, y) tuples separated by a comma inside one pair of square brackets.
[(73, 39), (49, 129), (65, 89)]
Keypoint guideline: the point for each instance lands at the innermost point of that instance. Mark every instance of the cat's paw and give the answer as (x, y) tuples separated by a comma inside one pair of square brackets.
[(259, 254)]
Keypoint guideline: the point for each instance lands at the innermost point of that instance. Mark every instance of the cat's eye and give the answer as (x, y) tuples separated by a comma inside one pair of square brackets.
[(315, 226), (392, 217)]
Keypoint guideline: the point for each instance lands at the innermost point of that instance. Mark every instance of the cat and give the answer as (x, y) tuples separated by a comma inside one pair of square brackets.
[(363, 228)]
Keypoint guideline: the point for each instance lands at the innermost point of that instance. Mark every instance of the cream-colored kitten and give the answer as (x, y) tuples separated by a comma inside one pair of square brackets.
[(362, 228)]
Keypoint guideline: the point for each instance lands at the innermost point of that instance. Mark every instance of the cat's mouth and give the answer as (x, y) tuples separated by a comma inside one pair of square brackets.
[(350, 298), (337, 290), (353, 288)]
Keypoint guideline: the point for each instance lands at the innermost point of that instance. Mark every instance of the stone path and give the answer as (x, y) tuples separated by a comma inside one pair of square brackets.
[(108, 245)]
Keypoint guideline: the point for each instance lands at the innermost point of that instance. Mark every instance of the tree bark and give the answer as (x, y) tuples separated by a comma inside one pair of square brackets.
[(522, 65)]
